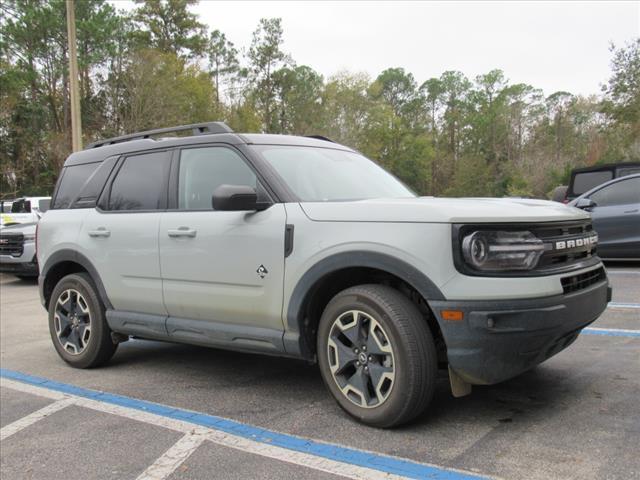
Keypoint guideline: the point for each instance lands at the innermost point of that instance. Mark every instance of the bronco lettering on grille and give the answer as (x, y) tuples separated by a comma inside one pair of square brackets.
[(576, 243)]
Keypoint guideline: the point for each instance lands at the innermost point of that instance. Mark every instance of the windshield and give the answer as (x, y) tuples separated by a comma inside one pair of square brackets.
[(326, 175)]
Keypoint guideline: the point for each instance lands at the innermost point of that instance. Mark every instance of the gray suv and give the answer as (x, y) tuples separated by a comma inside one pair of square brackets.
[(304, 248)]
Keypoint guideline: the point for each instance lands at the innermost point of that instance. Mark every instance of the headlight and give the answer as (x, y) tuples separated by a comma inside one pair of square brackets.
[(500, 251), (29, 237)]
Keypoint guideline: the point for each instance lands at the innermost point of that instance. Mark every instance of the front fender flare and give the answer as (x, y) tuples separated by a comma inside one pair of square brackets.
[(294, 340)]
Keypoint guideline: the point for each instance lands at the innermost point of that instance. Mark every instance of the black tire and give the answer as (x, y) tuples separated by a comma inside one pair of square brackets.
[(413, 355), (99, 346)]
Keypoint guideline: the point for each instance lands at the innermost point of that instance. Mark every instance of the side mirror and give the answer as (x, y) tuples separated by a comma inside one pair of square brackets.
[(586, 204), (235, 198)]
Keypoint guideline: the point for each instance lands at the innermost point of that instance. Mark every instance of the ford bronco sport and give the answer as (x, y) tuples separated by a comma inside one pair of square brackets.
[(304, 248)]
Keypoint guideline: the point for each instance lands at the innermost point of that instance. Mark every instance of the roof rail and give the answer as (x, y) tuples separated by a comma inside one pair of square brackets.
[(320, 137), (196, 128)]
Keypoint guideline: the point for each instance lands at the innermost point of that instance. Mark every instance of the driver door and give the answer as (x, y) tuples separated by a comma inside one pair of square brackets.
[(221, 270)]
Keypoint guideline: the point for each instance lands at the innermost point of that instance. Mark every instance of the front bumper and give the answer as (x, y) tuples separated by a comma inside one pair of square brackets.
[(27, 268), (25, 264), (497, 340)]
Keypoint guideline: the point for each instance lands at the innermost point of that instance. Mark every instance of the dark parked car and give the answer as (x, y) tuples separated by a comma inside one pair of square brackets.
[(584, 179), (615, 212)]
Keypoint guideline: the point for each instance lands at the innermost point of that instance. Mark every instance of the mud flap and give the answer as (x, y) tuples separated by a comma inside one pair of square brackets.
[(459, 388)]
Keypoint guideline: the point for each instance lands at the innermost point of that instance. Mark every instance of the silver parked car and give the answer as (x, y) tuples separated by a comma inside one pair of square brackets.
[(304, 248), (615, 213)]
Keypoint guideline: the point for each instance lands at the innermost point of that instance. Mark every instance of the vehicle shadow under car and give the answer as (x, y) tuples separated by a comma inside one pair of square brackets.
[(532, 394)]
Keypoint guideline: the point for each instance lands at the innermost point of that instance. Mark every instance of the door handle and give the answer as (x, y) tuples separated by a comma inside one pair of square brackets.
[(182, 232), (100, 232), (632, 211)]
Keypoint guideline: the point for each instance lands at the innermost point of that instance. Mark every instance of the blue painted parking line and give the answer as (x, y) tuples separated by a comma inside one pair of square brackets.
[(612, 332), (382, 463), (623, 305)]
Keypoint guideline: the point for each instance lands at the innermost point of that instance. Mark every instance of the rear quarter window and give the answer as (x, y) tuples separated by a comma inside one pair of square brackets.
[(72, 180)]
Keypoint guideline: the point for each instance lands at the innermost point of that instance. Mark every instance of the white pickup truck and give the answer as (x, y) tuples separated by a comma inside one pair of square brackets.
[(23, 210)]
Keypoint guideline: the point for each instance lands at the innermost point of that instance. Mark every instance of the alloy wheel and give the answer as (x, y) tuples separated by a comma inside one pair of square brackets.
[(361, 358), (72, 321)]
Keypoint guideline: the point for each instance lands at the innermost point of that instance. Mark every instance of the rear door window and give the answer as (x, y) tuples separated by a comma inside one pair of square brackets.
[(141, 183)]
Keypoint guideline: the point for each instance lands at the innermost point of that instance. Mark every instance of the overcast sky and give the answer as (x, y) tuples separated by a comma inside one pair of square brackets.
[(550, 45)]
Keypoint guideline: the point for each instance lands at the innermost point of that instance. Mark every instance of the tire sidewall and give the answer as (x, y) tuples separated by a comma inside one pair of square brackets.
[(99, 329), (394, 405)]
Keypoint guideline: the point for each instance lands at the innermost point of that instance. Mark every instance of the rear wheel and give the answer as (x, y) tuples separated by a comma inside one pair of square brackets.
[(377, 355), (77, 323)]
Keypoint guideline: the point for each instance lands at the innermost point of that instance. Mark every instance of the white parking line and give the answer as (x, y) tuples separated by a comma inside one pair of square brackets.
[(623, 272), (219, 437), (170, 460), (32, 418)]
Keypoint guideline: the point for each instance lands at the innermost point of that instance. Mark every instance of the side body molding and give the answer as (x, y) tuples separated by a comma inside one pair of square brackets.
[(294, 339), (68, 255)]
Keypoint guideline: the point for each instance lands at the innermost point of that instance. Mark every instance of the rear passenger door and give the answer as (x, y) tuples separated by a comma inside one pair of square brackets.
[(223, 276), (120, 236)]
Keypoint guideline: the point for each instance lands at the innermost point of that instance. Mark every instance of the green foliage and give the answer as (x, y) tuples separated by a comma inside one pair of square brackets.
[(160, 66), (265, 57), (168, 26)]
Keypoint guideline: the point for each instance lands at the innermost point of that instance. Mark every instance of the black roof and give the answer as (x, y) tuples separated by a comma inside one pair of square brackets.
[(204, 133), (605, 166)]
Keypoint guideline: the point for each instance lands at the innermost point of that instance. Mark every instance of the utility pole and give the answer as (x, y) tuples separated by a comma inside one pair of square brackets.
[(76, 120)]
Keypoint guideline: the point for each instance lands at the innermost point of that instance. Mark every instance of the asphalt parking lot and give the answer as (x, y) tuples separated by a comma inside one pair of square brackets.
[(160, 410)]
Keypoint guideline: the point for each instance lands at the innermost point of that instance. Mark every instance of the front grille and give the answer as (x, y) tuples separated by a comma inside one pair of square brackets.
[(11, 244), (582, 280), (554, 259)]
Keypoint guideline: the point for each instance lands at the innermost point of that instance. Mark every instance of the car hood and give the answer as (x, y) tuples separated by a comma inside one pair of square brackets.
[(24, 228), (442, 210)]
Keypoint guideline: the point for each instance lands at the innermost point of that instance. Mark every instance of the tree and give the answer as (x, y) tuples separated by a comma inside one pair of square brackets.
[(432, 91), (622, 103), (266, 57), (397, 87), (223, 60), (162, 91), (558, 104), (168, 26), (455, 88), (299, 97)]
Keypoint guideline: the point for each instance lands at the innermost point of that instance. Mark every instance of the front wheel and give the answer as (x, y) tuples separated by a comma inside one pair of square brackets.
[(377, 356), (77, 323)]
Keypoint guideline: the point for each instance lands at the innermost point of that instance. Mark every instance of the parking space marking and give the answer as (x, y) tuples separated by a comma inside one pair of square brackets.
[(330, 458), (623, 305), (624, 272), (612, 332), (167, 463), (34, 417)]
